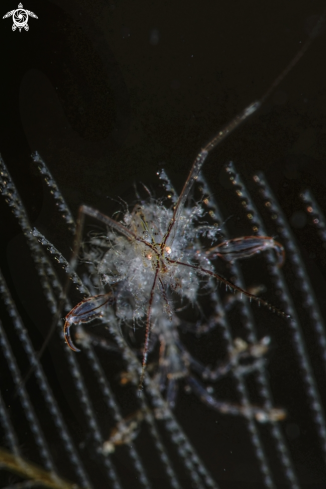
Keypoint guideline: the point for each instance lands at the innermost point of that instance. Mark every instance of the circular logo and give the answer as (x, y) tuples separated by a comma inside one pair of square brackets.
[(20, 18)]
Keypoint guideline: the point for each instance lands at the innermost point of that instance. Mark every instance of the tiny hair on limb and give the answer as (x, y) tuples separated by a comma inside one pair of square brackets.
[(233, 287), (148, 329)]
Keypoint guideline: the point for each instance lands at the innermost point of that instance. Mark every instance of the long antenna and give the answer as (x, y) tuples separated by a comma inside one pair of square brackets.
[(235, 122)]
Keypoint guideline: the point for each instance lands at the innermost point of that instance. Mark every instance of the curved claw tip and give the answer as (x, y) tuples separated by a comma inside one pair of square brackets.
[(68, 339)]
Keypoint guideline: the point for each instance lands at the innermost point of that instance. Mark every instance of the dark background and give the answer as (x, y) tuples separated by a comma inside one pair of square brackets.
[(109, 92)]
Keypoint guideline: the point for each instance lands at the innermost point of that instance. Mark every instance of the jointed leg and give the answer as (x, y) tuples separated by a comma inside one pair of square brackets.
[(148, 327), (232, 286), (249, 411)]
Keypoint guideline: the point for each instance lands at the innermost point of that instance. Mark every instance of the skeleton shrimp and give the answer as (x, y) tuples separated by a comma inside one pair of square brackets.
[(153, 264)]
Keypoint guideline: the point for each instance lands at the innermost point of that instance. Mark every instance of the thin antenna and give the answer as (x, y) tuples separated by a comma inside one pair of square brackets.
[(235, 122)]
